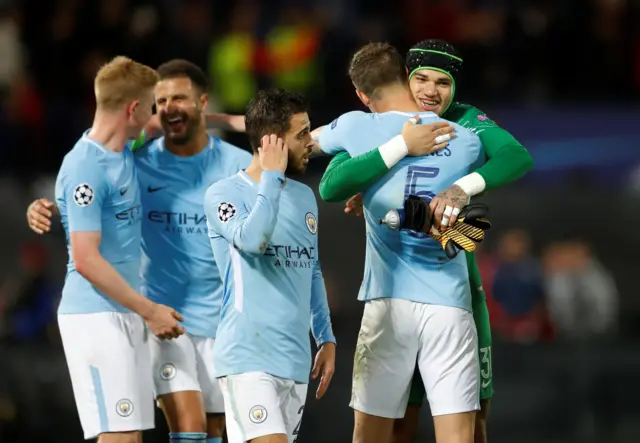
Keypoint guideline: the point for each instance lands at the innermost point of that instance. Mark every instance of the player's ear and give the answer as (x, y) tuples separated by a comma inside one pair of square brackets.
[(131, 109), (204, 100), (363, 98)]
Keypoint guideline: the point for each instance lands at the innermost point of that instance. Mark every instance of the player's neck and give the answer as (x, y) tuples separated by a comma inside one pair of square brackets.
[(107, 129), (191, 148), (397, 98), (254, 170)]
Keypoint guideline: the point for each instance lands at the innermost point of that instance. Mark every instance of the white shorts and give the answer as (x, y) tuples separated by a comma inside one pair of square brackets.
[(108, 358), (186, 364), (259, 404), (393, 335)]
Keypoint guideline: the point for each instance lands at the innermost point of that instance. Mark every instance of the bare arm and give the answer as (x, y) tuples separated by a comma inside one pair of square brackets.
[(315, 134), (226, 122), (92, 266)]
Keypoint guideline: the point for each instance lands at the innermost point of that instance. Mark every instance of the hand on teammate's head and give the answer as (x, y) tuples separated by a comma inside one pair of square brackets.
[(424, 139)]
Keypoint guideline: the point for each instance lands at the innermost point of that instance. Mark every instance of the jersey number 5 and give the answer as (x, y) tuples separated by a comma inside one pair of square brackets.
[(417, 184)]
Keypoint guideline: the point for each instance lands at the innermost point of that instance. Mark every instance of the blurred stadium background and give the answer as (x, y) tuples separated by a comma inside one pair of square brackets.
[(560, 267)]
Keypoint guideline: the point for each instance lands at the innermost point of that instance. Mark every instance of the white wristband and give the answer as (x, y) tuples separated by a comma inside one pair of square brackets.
[(472, 184), (393, 151)]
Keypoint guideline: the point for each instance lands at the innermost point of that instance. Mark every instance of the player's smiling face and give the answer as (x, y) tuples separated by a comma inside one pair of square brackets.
[(179, 104), (299, 142), (432, 90)]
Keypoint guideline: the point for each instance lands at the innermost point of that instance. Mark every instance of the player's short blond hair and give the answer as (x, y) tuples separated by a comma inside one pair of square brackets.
[(122, 81)]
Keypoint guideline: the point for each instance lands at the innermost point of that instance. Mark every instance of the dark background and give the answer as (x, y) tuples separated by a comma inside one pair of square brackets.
[(560, 268)]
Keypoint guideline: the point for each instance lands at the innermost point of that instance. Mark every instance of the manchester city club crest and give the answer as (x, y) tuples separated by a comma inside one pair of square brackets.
[(124, 408), (167, 371), (258, 414), (312, 223)]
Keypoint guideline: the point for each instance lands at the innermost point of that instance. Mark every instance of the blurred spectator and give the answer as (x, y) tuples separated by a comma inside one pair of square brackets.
[(582, 295), (292, 47), (518, 290), (29, 298), (11, 49), (561, 76), (233, 58)]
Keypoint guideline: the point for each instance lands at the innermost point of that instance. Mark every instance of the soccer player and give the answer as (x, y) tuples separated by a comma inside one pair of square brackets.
[(433, 66), (101, 315), (417, 301), (178, 266), (263, 228)]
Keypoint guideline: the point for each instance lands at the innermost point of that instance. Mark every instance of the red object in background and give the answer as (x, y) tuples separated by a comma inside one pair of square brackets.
[(30, 108), (299, 50), (424, 20), (534, 327), (260, 58), (33, 256)]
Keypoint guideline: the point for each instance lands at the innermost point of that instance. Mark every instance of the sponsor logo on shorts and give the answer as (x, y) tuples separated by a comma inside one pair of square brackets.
[(257, 414), (167, 371), (124, 408)]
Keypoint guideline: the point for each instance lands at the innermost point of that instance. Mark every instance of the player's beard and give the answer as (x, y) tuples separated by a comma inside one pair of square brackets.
[(296, 165), (190, 124)]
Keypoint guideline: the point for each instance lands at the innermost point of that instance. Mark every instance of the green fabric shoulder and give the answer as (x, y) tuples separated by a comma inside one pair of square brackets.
[(139, 142), (470, 117), (507, 161)]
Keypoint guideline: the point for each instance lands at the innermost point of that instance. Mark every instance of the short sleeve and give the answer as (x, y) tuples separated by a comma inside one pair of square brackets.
[(85, 191), (333, 136)]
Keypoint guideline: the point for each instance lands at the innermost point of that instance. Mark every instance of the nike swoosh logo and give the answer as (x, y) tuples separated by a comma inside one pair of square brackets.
[(150, 189), (123, 191)]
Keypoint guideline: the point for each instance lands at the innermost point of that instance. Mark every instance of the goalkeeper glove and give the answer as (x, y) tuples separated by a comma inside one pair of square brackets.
[(468, 230)]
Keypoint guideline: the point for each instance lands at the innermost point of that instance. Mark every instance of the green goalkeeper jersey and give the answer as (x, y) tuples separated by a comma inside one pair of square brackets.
[(507, 161)]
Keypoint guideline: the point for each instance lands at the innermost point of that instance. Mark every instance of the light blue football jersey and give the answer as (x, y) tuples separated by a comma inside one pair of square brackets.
[(400, 264), (97, 191), (265, 240), (178, 268)]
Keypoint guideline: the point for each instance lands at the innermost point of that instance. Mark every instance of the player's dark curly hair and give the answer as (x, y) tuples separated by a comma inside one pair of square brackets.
[(178, 68), (270, 112)]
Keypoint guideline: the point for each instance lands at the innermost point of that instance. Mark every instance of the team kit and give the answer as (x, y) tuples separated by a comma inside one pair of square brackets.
[(194, 276)]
